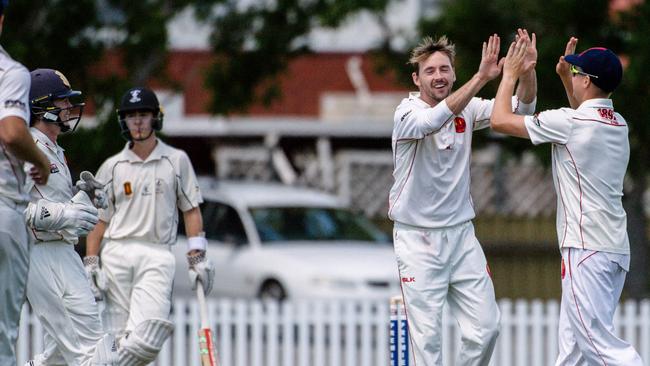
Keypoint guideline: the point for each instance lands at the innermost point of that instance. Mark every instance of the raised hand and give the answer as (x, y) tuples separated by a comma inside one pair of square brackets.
[(514, 65), (562, 67), (490, 66), (531, 51)]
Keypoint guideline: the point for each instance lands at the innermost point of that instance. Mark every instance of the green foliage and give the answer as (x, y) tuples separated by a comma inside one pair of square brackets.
[(73, 38), (254, 45)]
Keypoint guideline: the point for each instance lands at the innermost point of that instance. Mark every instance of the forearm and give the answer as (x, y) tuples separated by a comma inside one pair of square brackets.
[(16, 137), (193, 222), (502, 111), (94, 238), (459, 99), (568, 89), (527, 88)]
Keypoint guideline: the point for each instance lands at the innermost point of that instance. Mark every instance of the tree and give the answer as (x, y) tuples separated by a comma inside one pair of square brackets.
[(254, 45), (75, 39)]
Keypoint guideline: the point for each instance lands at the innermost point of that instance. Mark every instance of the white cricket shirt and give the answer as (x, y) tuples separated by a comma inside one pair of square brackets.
[(14, 101), (431, 158), (58, 187), (144, 196), (590, 154)]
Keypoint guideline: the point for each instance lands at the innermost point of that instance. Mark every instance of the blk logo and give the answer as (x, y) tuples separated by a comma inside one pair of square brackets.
[(408, 279)]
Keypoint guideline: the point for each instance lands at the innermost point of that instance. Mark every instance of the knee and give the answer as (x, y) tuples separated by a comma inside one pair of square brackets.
[(489, 329)]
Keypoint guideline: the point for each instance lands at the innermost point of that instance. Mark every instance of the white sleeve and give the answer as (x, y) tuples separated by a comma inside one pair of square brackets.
[(105, 176), (14, 94), (414, 122), (523, 109), (482, 110), (188, 194), (553, 126)]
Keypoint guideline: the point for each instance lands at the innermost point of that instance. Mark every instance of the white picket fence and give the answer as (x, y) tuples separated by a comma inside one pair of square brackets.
[(349, 333)]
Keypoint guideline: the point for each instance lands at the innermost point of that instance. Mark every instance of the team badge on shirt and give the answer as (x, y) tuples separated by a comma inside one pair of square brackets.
[(459, 123), (536, 119), (54, 168), (127, 188)]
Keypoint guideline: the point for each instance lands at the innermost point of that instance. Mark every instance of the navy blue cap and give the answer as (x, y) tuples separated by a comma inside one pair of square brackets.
[(600, 62), (48, 84)]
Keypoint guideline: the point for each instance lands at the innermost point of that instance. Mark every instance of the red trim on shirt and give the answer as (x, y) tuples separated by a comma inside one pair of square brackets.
[(559, 192), (582, 239), (600, 121)]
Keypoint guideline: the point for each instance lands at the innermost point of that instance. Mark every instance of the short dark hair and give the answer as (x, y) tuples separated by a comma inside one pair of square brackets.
[(428, 47)]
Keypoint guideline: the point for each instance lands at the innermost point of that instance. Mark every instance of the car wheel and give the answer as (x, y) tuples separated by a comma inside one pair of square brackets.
[(272, 290)]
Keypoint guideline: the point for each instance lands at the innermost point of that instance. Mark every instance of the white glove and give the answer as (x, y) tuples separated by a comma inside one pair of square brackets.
[(77, 217), (96, 276), (93, 188), (201, 269)]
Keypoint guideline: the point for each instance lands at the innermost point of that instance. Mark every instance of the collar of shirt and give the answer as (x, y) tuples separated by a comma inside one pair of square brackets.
[(40, 136), (157, 153), (415, 96), (596, 103)]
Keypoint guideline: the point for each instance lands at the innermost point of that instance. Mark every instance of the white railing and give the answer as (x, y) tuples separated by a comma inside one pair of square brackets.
[(347, 333)]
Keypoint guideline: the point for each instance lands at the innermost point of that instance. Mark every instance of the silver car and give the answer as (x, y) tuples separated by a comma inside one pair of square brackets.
[(275, 241)]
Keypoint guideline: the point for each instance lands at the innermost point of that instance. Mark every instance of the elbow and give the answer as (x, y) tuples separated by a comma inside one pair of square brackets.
[(496, 122)]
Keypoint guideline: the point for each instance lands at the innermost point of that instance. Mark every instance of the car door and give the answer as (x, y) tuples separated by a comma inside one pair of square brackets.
[(228, 244)]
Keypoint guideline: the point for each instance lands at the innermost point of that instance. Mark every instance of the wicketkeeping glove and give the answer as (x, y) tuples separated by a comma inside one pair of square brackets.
[(77, 217), (93, 188), (201, 269), (96, 276)]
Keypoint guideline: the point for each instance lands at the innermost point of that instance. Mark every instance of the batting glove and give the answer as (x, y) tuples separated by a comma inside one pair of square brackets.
[(93, 188), (77, 217), (96, 276), (201, 269)]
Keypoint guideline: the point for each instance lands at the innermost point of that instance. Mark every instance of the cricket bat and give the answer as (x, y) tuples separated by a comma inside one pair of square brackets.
[(206, 345)]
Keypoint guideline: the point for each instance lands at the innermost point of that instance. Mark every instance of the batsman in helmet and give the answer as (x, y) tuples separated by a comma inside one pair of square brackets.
[(57, 288), (146, 183)]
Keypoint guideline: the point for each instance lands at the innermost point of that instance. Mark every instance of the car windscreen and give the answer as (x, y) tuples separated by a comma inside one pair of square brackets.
[(313, 224)]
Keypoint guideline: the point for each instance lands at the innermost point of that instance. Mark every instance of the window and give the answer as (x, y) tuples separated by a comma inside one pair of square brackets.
[(313, 224), (222, 223)]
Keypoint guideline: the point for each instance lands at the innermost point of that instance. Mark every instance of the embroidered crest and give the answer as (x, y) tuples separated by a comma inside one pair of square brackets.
[(459, 123), (54, 168), (127, 188), (135, 96)]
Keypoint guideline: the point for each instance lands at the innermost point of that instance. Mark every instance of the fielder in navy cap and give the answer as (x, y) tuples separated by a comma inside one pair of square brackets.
[(600, 64), (590, 152)]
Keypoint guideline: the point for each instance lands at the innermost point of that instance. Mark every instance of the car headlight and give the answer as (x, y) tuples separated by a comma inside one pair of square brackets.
[(334, 282)]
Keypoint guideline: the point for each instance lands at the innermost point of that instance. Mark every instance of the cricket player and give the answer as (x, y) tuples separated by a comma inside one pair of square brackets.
[(146, 184), (438, 256), (16, 146), (57, 287), (590, 153)]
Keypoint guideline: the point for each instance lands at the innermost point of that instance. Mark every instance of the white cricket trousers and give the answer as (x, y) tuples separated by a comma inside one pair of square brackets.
[(446, 265), (592, 282), (14, 264), (59, 293), (140, 278)]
